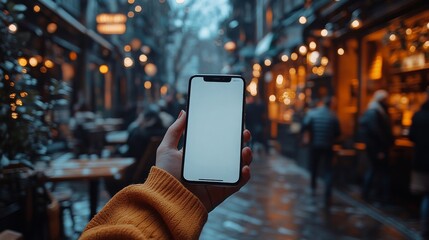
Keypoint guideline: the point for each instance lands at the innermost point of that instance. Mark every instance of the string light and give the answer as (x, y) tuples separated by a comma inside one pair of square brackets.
[(284, 58), (302, 20), (12, 28)]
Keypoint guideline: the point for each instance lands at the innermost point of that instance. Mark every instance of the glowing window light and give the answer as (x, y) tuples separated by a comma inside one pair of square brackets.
[(147, 85), (22, 62)]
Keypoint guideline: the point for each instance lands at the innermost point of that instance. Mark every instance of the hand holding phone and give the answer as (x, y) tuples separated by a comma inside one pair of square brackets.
[(214, 126), (169, 158)]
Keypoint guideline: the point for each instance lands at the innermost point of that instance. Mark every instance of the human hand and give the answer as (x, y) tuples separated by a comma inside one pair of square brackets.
[(169, 158)]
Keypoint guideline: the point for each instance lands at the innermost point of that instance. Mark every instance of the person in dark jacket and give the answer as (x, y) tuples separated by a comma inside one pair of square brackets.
[(376, 131), (419, 133), (323, 127)]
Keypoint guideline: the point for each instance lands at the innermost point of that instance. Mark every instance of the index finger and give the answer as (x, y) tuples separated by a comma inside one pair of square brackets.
[(174, 132)]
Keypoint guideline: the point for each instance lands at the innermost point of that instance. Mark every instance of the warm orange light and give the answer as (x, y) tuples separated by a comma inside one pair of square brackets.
[(23, 94), (303, 50), (284, 58), (150, 69), (103, 69), (230, 46), (12, 28), (312, 45), (272, 98), (127, 48), (279, 79), (128, 62), (36, 8), (14, 115), (294, 56), (324, 33), (302, 20), (52, 27), (130, 1), (143, 58), (163, 90), (257, 67), (147, 84), (108, 18), (267, 62), (22, 61), (43, 69), (340, 51), (73, 56), (138, 8), (19, 102), (49, 63), (355, 24), (32, 61)]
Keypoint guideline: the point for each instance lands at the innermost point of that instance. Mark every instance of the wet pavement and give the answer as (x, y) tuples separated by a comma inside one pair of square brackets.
[(277, 204)]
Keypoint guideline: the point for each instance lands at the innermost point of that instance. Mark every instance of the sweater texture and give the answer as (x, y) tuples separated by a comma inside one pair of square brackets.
[(161, 208)]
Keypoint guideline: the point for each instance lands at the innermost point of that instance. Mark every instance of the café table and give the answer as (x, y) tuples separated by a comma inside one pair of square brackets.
[(91, 170)]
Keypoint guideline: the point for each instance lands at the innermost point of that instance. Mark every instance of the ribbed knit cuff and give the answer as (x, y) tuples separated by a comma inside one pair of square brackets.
[(186, 212)]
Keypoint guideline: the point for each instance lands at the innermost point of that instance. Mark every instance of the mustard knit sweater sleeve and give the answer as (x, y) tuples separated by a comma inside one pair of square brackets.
[(161, 208)]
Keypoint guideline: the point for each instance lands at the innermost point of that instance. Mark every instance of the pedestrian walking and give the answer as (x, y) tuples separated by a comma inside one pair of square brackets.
[(375, 129), (323, 127), (419, 133)]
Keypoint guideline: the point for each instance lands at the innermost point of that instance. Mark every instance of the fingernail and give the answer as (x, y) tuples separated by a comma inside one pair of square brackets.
[(180, 114)]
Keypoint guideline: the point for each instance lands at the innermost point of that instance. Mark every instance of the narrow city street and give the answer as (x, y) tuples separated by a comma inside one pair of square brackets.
[(277, 204)]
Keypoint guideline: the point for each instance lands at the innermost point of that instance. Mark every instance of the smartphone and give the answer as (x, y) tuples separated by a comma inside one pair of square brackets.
[(214, 129)]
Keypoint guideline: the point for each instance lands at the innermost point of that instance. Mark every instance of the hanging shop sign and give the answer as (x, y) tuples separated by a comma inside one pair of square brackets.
[(111, 23)]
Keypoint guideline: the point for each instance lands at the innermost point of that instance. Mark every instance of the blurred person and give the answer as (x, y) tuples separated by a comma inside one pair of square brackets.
[(324, 128), (419, 133), (256, 121), (140, 133), (166, 117), (376, 131), (81, 116), (164, 207)]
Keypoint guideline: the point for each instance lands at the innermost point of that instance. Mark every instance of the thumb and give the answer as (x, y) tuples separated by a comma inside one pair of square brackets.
[(174, 132)]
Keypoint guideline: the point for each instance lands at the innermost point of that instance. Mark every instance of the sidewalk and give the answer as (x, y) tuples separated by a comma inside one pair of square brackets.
[(277, 204)]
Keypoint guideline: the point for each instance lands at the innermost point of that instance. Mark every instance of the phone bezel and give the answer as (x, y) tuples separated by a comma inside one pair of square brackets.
[(215, 78)]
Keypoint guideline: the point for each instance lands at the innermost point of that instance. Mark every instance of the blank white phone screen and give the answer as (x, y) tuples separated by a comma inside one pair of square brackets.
[(214, 131)]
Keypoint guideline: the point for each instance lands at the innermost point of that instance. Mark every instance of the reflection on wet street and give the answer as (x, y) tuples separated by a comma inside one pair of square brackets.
[(277, 204)]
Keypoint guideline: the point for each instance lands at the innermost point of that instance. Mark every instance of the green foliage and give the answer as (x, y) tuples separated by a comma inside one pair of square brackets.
[(24, 130)]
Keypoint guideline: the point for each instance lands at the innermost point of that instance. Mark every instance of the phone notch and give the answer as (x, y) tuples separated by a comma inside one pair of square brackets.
[(217, 78)]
